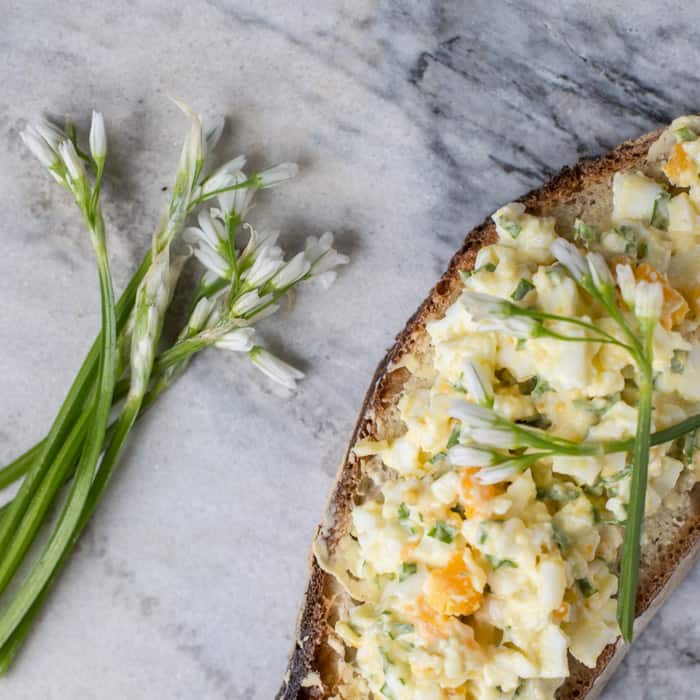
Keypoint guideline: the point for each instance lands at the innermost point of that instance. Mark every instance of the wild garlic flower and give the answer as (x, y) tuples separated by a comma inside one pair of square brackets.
[(505, 471), (291, 272), (600, 275), (276, 175), (256, 240), (648, 301), (45, 152), (471, 415), (98, 138), (466, 456), (236, 203), (152, 301), (477, 383), (499, 315), (276, 369), (238, 340), (191, 158), (248, 302), (627, 283), (212, 246), (323, 258), (267, 261), (571, 258)]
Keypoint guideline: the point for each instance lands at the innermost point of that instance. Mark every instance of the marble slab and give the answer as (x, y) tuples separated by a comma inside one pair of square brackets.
[(412, 121)]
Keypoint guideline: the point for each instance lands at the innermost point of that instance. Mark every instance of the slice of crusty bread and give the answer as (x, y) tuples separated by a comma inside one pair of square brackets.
[(672, 538)]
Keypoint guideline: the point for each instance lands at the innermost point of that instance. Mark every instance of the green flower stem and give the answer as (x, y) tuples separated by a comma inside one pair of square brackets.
[(182, 350), (72, 406), (629, 566), (12, 643), (31, 587), (542, 316), (252, 181), (20, 466), (43, 498)]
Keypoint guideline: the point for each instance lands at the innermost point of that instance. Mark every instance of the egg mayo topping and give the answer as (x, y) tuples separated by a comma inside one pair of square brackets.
[(466, 590)]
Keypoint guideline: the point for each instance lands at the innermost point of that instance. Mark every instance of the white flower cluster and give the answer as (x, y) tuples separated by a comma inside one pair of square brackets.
[(252, 277), (59, 153)]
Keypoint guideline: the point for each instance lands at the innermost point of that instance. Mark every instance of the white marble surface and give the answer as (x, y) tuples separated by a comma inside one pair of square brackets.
[(412, 121)]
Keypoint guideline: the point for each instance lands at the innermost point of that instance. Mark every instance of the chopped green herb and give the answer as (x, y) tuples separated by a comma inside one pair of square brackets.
[(584, 232), (659, 213), (539, 421), (459, 388), (630, 237), (586, 587), (403, 511), (520, 344), (483, 535), (498, 563), (526, 386), (679, 361), (511, 227), (437, 457), (401, 628), (690, 442), (388, 661), (443, 532), (685, 134), (489, 267), (561, 538), (458, 509), (407, 569), (505, 377), (465, 275), (524, 286), (454, 437), (542, 386)]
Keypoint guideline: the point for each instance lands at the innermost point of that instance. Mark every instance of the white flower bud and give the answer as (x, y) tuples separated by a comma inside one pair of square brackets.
[(71, 160), (50, 133), (268, 261), (274, 368), (239, 340), (570, 257), (98, 137), (600, 273), (627, 284), (215, 127), (495, 475), (471, 415), (477, 382), (292, 272), (494, 437), (465, 456), (648, 301), (248, 302), (277, 174), (39, 147)]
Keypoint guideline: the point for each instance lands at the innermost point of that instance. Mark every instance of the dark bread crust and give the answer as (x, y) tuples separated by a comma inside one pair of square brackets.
[(310, 653)]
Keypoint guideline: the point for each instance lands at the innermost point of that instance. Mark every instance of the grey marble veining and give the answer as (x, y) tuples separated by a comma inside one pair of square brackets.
[(412, 121)]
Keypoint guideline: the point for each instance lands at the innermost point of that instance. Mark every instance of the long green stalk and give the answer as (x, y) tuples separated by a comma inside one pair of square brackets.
[(42, 571), (629, 566), (44, 497), (72, 405), (13, 643)]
